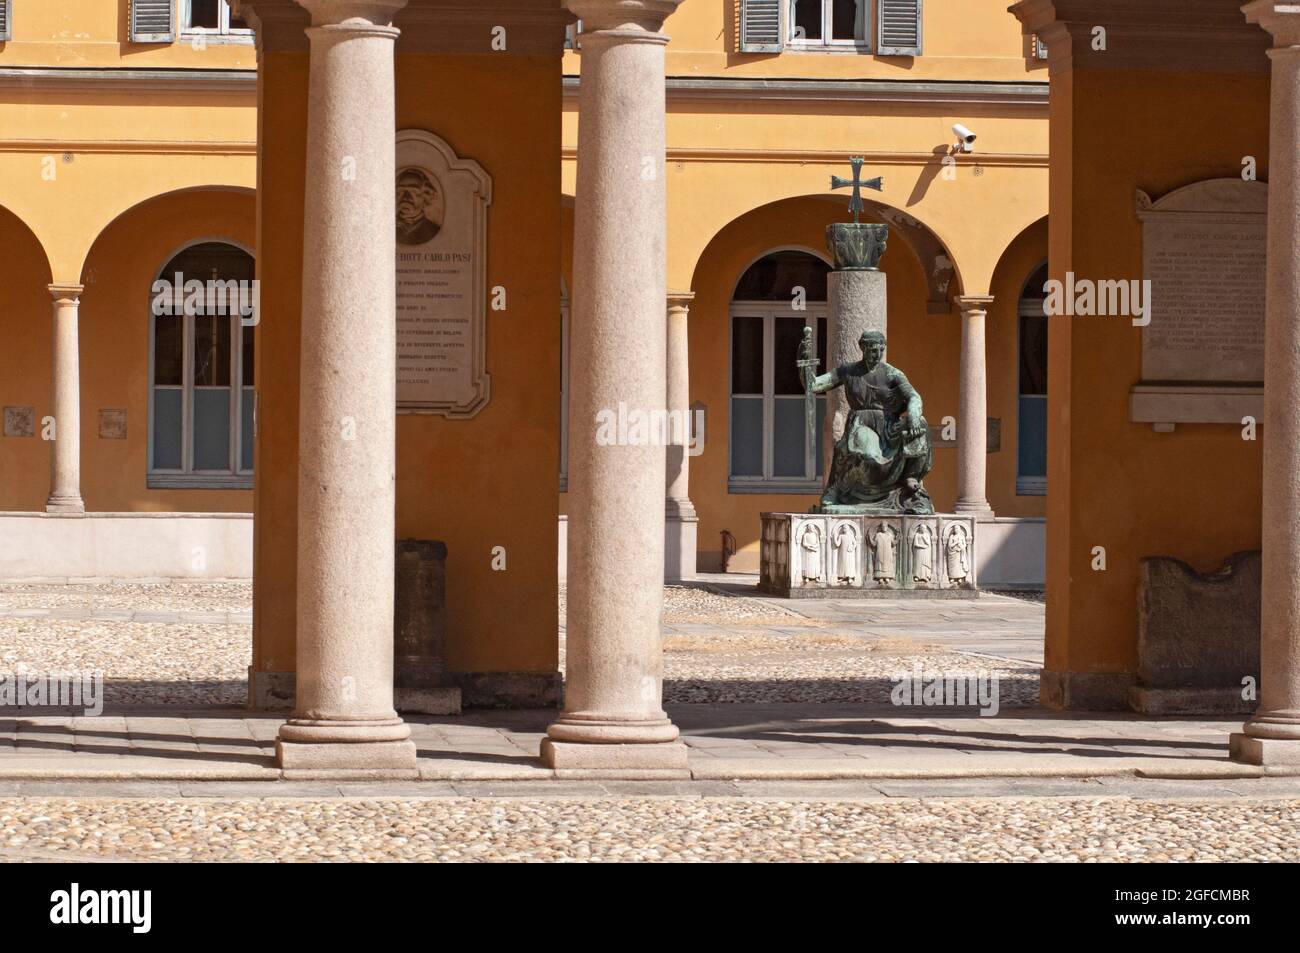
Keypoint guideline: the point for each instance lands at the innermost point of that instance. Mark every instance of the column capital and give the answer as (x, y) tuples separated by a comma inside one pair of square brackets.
[(359, 14), (65, 292), (622, 16), (680, 300), (973, 302), (1281, 18)]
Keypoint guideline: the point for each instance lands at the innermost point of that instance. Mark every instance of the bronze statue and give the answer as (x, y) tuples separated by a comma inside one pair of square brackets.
[(884, 453)]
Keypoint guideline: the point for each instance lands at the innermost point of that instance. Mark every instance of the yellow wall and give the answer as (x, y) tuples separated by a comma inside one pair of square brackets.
[(970, 39), (474, 484), (26, 329), (83, 164), (1194, 493), (1002, 353), (93, 33)]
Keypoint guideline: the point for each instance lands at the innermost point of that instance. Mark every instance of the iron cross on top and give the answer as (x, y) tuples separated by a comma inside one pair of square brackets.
[(855, 204)]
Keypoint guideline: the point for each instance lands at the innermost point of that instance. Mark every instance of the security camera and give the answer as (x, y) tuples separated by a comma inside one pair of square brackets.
[(965, 138)]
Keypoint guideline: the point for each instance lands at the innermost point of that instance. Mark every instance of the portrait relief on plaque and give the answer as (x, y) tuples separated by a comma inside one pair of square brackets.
[(442, 203)]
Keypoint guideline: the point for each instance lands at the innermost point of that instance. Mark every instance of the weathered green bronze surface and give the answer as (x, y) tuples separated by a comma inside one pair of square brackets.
[(855, 203), (884, 453)]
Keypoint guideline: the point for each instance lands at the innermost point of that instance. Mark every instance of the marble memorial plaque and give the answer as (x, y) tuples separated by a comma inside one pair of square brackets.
[(442, 203), (1203, 250)]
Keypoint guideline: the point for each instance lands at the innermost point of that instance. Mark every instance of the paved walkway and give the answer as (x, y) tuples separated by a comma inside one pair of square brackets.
[(727, 743), (994, 625)]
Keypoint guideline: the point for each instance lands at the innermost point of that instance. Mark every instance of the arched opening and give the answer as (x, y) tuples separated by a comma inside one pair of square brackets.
[(201, 360), (777, 296), (1031, 442)]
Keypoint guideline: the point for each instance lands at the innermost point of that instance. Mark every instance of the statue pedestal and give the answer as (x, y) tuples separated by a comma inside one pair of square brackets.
[(832, 556)]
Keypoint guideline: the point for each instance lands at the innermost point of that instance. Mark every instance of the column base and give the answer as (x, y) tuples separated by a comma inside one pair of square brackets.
[(65, 504), (633, 761), (1266, 752), (371, 759), (979, 509), (681, 527)]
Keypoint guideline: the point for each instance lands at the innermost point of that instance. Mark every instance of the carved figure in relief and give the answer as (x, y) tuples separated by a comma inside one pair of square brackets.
[(957, 553), (922, 555), (883, 543), (846, 554), (810, 550)]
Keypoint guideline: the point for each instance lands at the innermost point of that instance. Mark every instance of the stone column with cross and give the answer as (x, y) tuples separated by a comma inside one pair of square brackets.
[(856, 291)]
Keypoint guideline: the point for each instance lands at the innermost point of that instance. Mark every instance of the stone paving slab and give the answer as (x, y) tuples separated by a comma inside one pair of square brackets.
[(779, 789), (726, 743), (183, 616)]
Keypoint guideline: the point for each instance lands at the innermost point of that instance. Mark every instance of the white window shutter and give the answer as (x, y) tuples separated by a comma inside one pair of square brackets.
[(5, 17), (1040, 48), (760, 26), (153, 21), (899, 31)]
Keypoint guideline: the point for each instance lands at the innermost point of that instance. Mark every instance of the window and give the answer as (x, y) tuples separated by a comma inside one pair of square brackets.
[(771, 450), (829, 23), (201, 396), (211, 17), (5, 16), (1031, 442), (770, 26), (571, 33)]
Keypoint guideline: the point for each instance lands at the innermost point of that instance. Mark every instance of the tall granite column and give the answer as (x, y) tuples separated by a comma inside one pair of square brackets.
[(682, 522), (65, 454), (613, 718), (972, 409), (856, 292), (1272, 735), (344, 719)]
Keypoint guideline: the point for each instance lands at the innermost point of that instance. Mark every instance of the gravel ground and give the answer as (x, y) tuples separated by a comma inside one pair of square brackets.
[(689, 604), (651, 829), (180, 596), (143, 663)]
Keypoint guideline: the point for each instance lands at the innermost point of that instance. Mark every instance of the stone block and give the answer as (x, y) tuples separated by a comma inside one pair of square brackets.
[(112, 424), (810, 555), (20, 421), (420, 620), (666, 760), (1198, 636)]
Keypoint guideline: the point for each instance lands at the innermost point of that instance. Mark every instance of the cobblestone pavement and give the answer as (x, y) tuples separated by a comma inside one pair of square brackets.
[(189, 644), (581, 827)]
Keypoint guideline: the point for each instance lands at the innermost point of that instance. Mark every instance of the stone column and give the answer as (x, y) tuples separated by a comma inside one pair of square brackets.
[(613, 719), (344, 720), (65, 454), (856, 290), (972, 410), (682, 522), (1272, 735)]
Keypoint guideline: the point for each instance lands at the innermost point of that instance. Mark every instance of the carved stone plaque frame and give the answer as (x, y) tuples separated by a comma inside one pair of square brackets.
[(441, 279)]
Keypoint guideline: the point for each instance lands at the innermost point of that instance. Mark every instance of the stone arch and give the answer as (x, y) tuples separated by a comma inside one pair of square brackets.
[(25, 364)]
